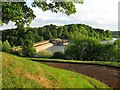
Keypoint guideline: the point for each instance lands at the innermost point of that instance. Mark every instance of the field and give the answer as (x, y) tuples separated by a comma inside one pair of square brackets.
[(20, 72)]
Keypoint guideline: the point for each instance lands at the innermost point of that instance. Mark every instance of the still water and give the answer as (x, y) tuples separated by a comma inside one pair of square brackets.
[(55, 48)]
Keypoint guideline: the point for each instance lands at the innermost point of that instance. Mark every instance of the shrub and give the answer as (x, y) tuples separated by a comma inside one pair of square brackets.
[(91, 49), (44, 54), (17, 51), (0, 46), (29, 51), (58, 55), (6, 46)]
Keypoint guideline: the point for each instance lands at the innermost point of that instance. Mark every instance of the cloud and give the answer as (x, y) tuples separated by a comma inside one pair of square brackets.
[(96, 13)]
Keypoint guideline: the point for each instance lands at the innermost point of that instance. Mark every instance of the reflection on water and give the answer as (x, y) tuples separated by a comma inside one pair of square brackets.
[(56, 48)]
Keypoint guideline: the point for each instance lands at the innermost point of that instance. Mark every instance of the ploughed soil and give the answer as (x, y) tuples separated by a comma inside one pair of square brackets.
[(108, 75)]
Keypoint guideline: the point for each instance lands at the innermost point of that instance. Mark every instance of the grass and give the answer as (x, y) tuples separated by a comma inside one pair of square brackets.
[(78, 61), (18, 72)]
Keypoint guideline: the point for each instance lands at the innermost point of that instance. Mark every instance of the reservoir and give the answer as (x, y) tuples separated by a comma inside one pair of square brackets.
[(55, 48)]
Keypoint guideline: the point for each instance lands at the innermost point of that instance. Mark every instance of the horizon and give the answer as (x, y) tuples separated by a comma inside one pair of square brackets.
[(58, 26)]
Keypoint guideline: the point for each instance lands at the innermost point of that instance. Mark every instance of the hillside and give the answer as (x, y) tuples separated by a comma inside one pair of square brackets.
[(20, 72)]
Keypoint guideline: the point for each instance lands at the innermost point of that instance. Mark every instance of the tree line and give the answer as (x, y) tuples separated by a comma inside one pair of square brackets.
[(26, 37), (19, 36)]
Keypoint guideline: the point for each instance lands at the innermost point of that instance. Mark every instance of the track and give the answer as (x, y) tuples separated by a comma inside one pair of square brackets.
[(108, 75)]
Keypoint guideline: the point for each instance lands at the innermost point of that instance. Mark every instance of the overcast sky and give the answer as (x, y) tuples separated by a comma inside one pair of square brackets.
[(96, 13)]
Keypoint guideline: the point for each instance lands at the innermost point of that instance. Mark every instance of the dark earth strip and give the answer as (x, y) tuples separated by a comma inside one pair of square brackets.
[(108, 75)]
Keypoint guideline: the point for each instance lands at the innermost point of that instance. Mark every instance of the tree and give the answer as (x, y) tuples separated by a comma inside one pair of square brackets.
[(28, 49), (21, 14), (17, 12), (108, 33), (6, 46), (47, 35)]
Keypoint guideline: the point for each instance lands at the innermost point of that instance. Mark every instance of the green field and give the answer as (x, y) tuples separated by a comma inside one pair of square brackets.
[(79, 61), (20, 72)]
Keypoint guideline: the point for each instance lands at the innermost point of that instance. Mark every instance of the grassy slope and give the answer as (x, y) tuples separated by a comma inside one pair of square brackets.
[(22, 73), (78, 61)]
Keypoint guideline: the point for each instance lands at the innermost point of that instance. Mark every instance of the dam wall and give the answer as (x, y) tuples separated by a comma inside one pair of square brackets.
[(42, 45)]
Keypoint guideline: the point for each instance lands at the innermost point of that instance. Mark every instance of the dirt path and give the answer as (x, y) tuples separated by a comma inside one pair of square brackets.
[(108, 75)]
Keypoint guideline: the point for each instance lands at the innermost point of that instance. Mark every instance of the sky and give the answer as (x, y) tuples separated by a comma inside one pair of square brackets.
[(96, 13)]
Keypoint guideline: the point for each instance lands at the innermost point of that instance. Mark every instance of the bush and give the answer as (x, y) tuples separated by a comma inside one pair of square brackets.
[(91, 49), (6, 46), (83, 48), (29, 51), (44, 54), (58, 55), (0, 46), (17, 51)]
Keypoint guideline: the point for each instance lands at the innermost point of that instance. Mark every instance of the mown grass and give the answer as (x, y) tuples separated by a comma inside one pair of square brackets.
[(20, 72), (79, 61)]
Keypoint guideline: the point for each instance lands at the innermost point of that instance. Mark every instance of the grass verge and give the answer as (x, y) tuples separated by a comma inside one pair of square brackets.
[(117, 64)]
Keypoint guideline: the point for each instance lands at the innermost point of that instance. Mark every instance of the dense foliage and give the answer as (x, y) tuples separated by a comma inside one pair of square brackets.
[(6, 46), (116, 34), (58, 55), (87, 48), (44, 54), (21, 14), (18, 36)]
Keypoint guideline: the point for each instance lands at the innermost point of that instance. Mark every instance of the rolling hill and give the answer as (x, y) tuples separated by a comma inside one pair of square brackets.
[(18, 72)]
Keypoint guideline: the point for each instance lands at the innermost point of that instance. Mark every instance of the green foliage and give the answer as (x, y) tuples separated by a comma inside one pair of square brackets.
[(0, 45), (6, 46), (108, 33), (18, 36), (17, 51), (17, 12), (21, 14), (29, 51), (86, 48), (44, 54), (108, 52), (64, 7), (116, 34), (58, 55), (117, 44)]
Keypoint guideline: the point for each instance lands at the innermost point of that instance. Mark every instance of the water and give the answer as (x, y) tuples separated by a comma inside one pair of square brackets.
[(56, 48), (106, 41), (61, 48)]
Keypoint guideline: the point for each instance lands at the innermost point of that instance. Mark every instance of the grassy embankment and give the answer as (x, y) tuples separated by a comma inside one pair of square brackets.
[(79, 61), (20, 72)]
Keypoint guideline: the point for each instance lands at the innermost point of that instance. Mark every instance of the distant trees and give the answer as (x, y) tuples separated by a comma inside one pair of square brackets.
[(88, 37), (18, 36), (116, 34), (108, 33)]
